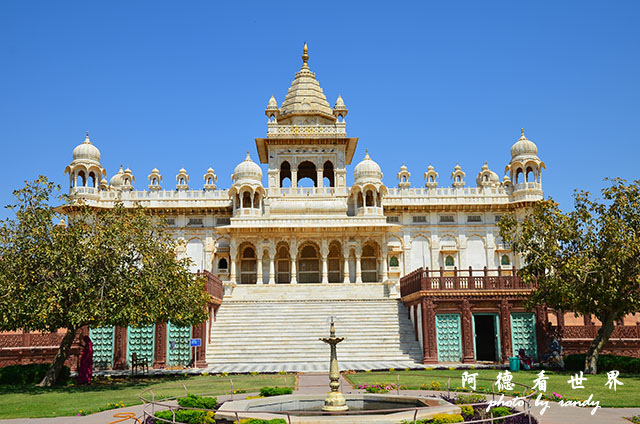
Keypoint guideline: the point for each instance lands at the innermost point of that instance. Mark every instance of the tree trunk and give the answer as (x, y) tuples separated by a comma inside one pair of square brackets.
[(52, 374), (602, 337)]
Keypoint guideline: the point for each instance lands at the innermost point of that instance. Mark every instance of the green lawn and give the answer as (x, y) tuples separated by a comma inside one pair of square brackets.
[(627, 395), (32, 402)]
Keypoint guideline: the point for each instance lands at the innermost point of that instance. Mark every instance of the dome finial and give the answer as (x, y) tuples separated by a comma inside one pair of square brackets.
[(86, 139), (522, 137), (305, 55), (248, 157)]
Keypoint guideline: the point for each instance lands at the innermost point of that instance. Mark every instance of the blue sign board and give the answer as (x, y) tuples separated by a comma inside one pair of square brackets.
[(195, 342)]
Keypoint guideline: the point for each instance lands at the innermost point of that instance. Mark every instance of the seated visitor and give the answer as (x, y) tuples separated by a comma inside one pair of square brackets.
[(526, 362)]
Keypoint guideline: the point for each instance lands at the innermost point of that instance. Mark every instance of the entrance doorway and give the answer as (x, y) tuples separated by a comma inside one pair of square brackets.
[(485, 328)]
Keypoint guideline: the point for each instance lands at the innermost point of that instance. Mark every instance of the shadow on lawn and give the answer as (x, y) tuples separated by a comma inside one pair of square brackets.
[(97, 385)]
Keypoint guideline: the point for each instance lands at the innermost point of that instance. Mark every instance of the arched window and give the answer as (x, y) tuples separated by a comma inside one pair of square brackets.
[(82, 179), (369, 198), (359, 201), (285, 174), (256, 201), (246, 200), (369, 264), (394, 261), (505, 260), (309, 265), (238, 204), (222, 264), (248, 266), (92, 178), (519, 174), (334, 264), (530, 176), (448, 261), (328, 174), (283, 266), (306, 170)]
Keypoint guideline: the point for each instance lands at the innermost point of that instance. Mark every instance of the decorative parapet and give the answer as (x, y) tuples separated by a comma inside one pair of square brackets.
[(275, 130)]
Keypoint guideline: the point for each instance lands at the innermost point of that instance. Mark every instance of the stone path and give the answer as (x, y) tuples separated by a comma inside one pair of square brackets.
[(310, 383)]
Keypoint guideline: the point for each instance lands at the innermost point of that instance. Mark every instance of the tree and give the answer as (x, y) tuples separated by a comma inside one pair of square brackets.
[(586, 261), (112, 266)]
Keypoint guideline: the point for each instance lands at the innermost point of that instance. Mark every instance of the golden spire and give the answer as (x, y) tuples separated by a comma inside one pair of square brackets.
[(86, 139), (305, 55), (522, 134)]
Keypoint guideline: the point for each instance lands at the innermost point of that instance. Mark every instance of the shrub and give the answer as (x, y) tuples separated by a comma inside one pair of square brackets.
[(187, 416), (624, 364), (472, 398), (445, 419), (194, 401), (259, 421), (275, 391), (467, 411), (500, 411), (29, 374)]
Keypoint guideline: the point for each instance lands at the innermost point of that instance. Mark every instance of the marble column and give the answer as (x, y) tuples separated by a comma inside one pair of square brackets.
[(324, 253), (294, 178), (259, 267), (320, 173), (385, 263), (358, 252), (345, 270), (272, 268), (293, 253)]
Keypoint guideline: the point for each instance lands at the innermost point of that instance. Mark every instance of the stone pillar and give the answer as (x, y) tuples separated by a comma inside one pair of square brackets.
[(294, 178), (293, 253), (429, 347), (543, 336), (345, 271), (385, 262), (358, 252), (320, 173), (324, 253), (259, 255), (160, 354), (233, 253), (120, 348), (272, 267), (467, 333), (505, 330)]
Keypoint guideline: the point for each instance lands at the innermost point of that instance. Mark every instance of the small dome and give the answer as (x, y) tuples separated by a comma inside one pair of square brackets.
[(524, 147), (210, 170), (86, 151), (487, 177), (155, 171), (367, 170), (273, 104), (116, 180), (247, 170), (339, 103)]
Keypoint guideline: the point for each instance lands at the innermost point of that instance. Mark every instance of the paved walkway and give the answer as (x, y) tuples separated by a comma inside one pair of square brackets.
[(310, 383)]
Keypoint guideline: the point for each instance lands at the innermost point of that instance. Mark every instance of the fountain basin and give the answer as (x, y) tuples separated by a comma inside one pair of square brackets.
[(363, 408)]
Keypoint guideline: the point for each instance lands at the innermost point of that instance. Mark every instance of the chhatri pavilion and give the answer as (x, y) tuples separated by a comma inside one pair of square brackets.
[(412, 274)]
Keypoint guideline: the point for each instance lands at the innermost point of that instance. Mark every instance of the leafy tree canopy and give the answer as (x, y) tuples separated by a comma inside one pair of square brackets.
[(112, 266), (586, 261)]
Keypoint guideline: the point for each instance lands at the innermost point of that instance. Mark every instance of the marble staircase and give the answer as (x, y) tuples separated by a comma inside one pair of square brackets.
[(281, 335)]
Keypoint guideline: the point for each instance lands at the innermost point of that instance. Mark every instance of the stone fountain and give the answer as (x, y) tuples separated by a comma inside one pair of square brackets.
[(335, 400), (336, 408)]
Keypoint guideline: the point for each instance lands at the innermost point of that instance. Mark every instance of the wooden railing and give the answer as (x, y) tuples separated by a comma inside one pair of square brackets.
[(471, 279), (214, 285)]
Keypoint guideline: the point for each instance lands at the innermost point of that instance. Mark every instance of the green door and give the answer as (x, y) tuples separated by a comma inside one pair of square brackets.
[(178, 349), (102, 339), (448, 337), (523, 333), (141, 341)]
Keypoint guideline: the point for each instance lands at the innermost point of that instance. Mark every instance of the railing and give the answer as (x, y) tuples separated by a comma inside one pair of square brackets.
[(153, 403), (83, 190), (308, 191), (442, 279), (568, 332), (275, 130), (214, 285)]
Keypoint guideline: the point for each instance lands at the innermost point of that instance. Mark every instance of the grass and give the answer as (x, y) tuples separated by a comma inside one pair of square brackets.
[(625, 396), (29, 401)]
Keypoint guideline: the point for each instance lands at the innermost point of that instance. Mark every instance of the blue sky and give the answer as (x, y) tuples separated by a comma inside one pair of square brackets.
[(173, 84)]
